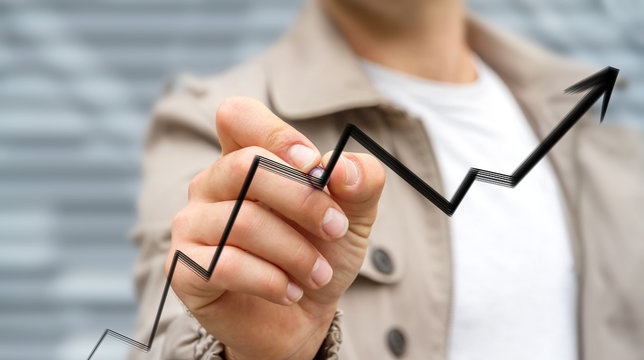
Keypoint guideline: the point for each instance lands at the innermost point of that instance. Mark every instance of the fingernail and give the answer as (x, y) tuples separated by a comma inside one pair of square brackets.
[(334, 223), (351, 173), (294, 292), (301, 156), (322, 272)]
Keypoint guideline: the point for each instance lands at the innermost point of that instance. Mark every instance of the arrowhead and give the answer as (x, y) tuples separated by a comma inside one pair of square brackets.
[(604, 80)]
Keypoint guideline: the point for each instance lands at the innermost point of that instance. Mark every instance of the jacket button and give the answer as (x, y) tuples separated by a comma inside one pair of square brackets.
[(382, 261), (396, 341)]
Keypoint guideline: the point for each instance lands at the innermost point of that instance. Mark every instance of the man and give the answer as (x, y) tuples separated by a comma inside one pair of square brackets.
[(546, 270)]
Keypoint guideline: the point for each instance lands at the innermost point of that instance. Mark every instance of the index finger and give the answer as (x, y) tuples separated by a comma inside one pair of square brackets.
[(244, 121)]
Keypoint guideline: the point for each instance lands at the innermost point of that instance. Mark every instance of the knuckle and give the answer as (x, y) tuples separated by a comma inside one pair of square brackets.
[(240, 163), (181, 224), (227, 109), (247, 220), (302, 257), (226, 263), (251, 151), (196, 184), (278, 138), (273, 284), (313, 207), (241, 160), (306, 204)]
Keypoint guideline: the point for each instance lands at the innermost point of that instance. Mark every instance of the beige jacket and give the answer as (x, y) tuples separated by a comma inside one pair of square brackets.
[(311, 79)]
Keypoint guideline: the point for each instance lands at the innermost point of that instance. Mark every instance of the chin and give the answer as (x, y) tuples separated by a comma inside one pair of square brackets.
[(382, 10)]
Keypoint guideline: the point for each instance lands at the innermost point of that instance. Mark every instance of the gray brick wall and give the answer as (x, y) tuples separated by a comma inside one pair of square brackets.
[(77, 79)]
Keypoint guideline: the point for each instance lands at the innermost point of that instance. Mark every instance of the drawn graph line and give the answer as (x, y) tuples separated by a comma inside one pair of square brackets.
[(601, 83)]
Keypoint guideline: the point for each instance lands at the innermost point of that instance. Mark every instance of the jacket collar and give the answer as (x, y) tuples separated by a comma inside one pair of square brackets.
[(312, 71)]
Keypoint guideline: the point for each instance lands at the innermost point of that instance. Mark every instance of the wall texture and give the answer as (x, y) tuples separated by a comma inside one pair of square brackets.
[(77, 79)]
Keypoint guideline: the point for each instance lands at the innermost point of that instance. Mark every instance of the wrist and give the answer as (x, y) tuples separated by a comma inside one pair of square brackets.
[(323, 344), (313, 348), (330, 348)]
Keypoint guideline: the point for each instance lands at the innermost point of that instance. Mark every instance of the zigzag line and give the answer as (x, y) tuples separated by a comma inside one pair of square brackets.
[(599, 83)]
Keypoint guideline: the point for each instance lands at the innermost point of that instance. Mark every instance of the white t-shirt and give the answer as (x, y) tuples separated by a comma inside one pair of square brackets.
[(514, 280)]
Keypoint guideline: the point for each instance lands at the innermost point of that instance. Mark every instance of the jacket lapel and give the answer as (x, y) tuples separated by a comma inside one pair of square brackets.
[(313, 72)]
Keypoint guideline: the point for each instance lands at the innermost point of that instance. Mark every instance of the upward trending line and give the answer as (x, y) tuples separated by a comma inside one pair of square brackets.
[(599, 83)]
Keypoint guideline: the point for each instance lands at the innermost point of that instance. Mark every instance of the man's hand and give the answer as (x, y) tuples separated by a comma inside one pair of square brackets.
[(293, 250)]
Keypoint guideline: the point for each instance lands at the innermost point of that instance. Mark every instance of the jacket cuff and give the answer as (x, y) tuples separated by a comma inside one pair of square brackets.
[(330, 349), (209, 348)]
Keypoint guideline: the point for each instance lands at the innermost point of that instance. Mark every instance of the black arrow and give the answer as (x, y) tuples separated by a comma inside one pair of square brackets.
[(601, 83)]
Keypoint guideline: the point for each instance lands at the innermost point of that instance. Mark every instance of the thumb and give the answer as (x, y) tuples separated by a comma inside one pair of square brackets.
[(356, 184)]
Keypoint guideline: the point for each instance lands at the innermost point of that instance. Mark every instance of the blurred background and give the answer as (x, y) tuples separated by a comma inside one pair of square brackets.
[(77, 79)]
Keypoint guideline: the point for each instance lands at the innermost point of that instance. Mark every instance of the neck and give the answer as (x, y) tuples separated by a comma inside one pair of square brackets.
[(421, 38)]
